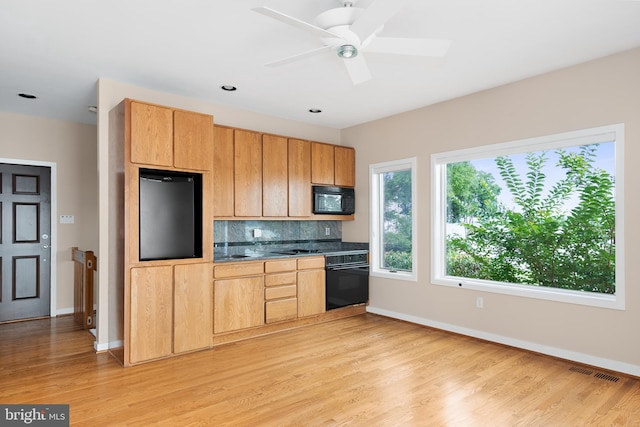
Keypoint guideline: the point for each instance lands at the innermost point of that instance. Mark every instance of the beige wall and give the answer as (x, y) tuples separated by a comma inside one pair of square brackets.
[(110, 93), (72, 148), (601, 92)]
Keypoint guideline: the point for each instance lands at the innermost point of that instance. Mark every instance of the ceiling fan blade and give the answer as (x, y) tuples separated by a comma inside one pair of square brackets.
[(357, 69), (374, 16), (294, 22), (298, 56), (402, 46)]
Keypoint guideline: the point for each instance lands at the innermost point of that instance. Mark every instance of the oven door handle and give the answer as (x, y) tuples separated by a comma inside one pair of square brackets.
[(358, 267)]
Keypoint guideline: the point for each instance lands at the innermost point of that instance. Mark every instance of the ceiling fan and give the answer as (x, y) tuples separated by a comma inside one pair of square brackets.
[(350, 30)]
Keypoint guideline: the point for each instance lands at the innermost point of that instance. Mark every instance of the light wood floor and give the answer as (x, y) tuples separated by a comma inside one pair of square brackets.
[(361, 371)]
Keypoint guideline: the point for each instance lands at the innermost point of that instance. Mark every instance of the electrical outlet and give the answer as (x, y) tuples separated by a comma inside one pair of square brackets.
[(257, 232), (67, 219), (479, 302), (327, 231)]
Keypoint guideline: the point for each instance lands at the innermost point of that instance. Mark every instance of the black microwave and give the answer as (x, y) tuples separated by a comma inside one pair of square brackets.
[(333, 200)]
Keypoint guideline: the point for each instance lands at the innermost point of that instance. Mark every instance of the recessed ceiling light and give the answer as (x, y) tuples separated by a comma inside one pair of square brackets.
[(27, 96), (315, 110), (228, 88)]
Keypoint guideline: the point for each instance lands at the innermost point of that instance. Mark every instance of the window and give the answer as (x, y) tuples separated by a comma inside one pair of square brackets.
[(539, 218), (393, 219)]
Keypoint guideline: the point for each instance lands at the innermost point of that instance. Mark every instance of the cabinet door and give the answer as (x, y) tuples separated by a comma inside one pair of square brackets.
[(192, 307), (248, 173), (299, 178), (223, 200), (311, 292), (192, 140), (151, 313), (345, 166), (151, 134), (274, 176), (322, 163), (238, 303)]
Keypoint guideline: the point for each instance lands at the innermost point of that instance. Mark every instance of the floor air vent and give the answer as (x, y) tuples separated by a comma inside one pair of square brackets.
[(606, 377), (599, 375), (580, 370)]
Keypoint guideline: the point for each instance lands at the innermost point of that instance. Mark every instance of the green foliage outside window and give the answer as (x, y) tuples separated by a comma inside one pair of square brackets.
[(537, 241), (397, 220)]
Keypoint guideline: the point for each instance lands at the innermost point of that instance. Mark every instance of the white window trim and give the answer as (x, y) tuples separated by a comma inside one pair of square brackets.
[(375, 221), (438, 216)]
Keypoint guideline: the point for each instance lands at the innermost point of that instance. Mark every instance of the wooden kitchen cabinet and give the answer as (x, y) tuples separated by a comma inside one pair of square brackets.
[(275, 177), (345, 164), (192, 307), (238, 296), (332, 165), (270, 176), (223, 171), (248, 173), (322, 163), (192, 140), (299, 166), (311, 286), (151, 134), (170, 138), (151, 313), (280, 291)]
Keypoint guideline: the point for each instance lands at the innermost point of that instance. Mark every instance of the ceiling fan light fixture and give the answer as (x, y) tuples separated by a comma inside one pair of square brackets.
[(347, 51)]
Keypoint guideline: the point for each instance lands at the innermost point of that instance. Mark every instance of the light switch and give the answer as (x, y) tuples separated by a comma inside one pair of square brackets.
[(67, 219)]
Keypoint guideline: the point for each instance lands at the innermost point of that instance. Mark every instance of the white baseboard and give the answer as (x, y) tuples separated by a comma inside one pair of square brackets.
[(612, 365), (63, 311), (107, 346)]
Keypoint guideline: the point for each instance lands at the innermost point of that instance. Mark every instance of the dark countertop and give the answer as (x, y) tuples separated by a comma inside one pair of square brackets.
[(259, 252)]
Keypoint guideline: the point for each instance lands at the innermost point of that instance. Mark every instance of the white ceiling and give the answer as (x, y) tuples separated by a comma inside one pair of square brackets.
[(58, 49)]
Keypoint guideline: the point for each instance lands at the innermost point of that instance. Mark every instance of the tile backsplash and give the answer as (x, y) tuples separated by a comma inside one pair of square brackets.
[(244, 232)]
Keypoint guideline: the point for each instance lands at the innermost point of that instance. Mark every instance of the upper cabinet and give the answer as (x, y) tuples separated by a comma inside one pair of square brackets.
[(170, 138), (247, 179), (223, 172), (322, 163), (332, 165), (262, 175), (192, 140), (345, 167), (275, 176), (299, 178)]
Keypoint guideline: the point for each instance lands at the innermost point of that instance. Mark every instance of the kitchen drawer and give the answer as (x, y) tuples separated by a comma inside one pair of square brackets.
[(280, 265), (238, 269), (280, 279), (307, 263), (277, 292), (284, 309)]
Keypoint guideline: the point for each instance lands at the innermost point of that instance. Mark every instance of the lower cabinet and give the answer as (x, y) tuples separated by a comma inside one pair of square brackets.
[(311, 286), (170, 310), (151, 313), (192, 307), (238, 303), (250, 294)]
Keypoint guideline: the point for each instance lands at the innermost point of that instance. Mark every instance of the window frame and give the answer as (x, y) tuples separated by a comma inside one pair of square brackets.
[(376, 216), (439, 161)]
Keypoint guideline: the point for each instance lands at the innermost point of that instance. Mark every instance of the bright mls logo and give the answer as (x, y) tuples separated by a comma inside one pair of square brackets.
[(37, 415)]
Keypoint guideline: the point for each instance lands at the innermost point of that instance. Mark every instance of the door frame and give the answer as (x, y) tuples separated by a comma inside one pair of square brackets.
[(53, 308)]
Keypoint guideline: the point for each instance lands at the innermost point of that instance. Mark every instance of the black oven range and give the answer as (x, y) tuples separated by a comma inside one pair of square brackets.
[(347, 281)]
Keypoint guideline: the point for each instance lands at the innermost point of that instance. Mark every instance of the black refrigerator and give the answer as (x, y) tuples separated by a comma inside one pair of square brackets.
[(170, 215)]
